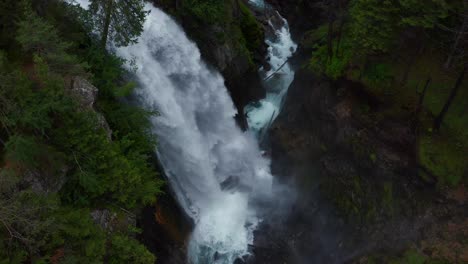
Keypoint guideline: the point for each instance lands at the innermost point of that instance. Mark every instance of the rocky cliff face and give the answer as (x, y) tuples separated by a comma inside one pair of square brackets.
[(356, 176), (302, 15)]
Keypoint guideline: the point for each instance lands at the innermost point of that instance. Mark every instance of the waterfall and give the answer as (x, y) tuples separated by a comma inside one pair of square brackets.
[(216, 171), (261, 114), (199, 144)]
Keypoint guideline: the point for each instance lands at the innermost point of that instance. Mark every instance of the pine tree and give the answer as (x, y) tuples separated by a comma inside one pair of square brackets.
[(118, 20)]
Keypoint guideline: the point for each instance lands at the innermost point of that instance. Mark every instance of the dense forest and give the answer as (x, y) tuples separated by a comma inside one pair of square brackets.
[(411, 54), (77, 162)]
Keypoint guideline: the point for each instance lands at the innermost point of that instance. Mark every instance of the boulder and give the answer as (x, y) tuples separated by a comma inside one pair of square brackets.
[(113, 221), (84, 92), (46, 182)]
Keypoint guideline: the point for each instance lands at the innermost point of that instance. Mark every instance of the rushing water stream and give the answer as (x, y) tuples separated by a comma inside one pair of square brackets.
[(261, 114), (216, 170)]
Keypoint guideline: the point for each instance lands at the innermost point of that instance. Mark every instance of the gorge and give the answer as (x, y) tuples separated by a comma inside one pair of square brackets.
[(233, 131)]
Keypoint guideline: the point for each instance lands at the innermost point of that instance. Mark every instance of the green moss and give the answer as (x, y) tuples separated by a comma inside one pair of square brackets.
[(387, 198), (214, 21), (312, 37), (410, 257), (335, 67), (251, 29), (443, 154), (443, 158), (212, 12), (354, 198)]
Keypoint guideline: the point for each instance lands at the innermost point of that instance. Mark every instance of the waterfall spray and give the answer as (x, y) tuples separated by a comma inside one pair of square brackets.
[(214, 168)]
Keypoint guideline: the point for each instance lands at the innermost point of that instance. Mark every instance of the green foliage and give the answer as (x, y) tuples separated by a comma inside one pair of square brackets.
[(126, 250), (228, 23), (444, 159), (410, 257), (423, 14), (374, 24), (9, 14), (118, 20), (378, 74), (251, 29), (335, 67), (107, 71), (83, 240), (29, 109), (105, 169), (39, 37), (208, 11), (47, 138), (26, 225), (22, 150)]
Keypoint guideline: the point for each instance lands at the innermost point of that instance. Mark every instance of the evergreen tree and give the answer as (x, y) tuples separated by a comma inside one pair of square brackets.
[(374, 24), (118, 20), (423, 14), (42, 39)]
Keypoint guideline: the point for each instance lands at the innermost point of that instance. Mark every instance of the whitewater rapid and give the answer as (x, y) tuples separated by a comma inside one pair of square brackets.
[(279, 76)]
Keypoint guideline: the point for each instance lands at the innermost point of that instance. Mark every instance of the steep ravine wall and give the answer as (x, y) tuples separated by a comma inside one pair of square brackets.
[(302, 15), (356, 170)]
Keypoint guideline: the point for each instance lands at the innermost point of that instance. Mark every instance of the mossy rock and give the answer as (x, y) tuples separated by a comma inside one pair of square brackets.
[(443, 158), (252, 31)]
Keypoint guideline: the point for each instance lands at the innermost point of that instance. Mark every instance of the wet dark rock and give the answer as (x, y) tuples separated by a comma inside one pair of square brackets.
[(233, 183), (301, 15), (166, 229)]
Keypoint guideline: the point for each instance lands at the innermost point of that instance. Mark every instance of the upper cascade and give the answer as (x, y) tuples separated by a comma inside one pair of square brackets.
[(277, 79)]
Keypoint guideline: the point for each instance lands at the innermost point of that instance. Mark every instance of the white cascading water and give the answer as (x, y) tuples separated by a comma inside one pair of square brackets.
[(261, 114), (214, 168), (199, 144)]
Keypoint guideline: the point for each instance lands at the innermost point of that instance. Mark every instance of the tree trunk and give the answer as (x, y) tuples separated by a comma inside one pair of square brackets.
[(458, 39), (417, 121), (330, 40), (440, 118), (340, 34), (361, 72), (105, 30), (330, 30), (404, 79), (423, 94), (342, 16)]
